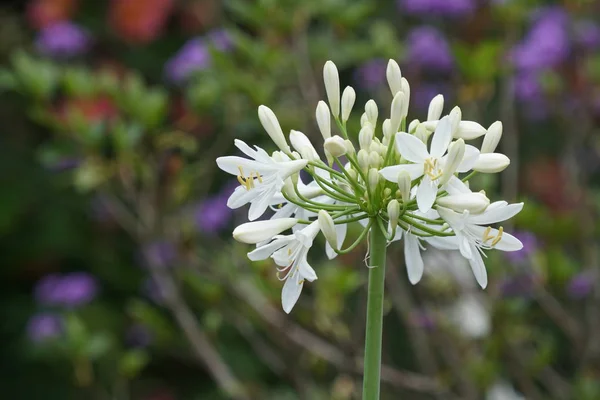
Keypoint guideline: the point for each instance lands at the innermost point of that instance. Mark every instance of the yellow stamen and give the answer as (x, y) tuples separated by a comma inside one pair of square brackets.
[(431, 169), (486, 234), (248, 182), (498, 237)]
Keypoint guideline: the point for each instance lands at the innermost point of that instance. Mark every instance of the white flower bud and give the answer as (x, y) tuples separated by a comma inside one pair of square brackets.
[(374, 161), (473, 202), (364, 120), (348, 98), (328, 228), (436, 106), (335, 145), (469, 130), (288, 189), (404, 183), (386, 127), (349, 146), (455, 117), (456, 153), (422, 133), (353, 174), (363, 160), (323, 119), (491, 163), (396, 112), (271, 124), (259, 231), (394, 77), (302, 145), (365, 137), (413, 125), (393, 210), (372, 111), (406, 91), (332, 87), (373, 179), (492, 138)]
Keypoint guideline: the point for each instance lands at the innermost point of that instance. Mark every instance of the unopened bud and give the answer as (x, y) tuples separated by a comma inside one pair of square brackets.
[(373, 179), (491, 163), (413, 125), (473, 202), (335, 145), (387, 192), (271, 124), (374, 159), (406, 91), (288, 189), (302, 144), (386, 127), (422, 133), (353, 174), (492, 138), (349, 147), (348, 98), (455, 117), (323, 119), (393, 210), (327, 226), (259, 231), (365, 137), (469, 130), (372, 111), (436, 106), (364, 120), (363, 160), (394, 77), (396, 113), (331, 78), (404, 183), (456, 153)]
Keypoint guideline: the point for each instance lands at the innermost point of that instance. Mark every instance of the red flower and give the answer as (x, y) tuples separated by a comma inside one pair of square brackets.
[(139, 21), (41, 13)]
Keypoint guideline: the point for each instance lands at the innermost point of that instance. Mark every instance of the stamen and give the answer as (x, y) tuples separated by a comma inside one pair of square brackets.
[(498, 237), (248, 183), (486, 234)]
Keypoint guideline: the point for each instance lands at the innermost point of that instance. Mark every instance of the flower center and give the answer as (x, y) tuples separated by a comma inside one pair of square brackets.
[(494, 239), (248, 182), (432, 169)]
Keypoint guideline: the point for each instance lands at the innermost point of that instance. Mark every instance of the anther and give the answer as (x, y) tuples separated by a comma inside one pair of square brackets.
[(498, 237)]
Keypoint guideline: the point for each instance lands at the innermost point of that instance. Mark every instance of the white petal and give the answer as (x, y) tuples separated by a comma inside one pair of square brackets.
[(260, 204), (232, 165), (496, 213), (391, 173), (411, 148), (441, 138), (240, 197), (455, 186), (426, 194), (509, 243), (258, 231), (491, 163), (264, 252), (451, 217), (340, 230), (307, 272), (443, 242), (478, 267), (414, 262), (291, 292), (469, 130), (470, 158), (465, 247)]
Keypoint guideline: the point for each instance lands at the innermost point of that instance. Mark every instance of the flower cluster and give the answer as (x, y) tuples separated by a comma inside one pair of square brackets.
[(403, 179)]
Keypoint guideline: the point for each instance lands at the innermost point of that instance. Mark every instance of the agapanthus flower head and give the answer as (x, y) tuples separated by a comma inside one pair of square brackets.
[(41, 327), (62, 40), (69, 290), (404, 180), (428, 48), (438, 8)]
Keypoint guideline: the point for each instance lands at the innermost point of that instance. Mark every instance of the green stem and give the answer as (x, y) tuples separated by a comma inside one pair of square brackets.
[(372, 363)]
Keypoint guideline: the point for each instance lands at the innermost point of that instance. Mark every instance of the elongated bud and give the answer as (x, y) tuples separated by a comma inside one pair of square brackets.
[(413, 126), (396, 113), (393, 210), (365, 137), (364, 120), (455, 117), (492, 138), (373, 179), (456, 153), (323, 119), (406, 91), (259, 231), (271, 124), (328, 228), (363, 160), (349, 147), (394, 77), (436, 106), (288, 189), (404, 185), (348, 98), (422, 133), (386, 127), (469, 130), (353, 174), (335, 145), (491, 163), (332, 87), (473, 202), (374, 161), (302, 145), (372, 111)]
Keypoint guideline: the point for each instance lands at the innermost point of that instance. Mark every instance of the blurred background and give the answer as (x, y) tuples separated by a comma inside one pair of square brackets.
[(119, 279)]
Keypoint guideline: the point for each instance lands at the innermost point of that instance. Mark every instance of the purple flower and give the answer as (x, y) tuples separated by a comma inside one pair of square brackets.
[(69, 290), (371, 74), (520, 285), (587, 34), (546, 45), (212, 215), (438, 8), (530, 246), (429, 49), (160, 253), (221, 39), (423, 93), (64, 164), (63, 39), (138, 335), (580, 285), (41, 327)]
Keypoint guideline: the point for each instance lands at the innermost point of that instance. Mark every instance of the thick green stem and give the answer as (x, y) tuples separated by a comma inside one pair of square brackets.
[(372, 366)]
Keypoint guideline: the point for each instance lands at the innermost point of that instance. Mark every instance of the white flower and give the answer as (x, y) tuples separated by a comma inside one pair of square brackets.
[(289, 252), (472, 238), (255, 232), (503, 391), (260, 177), (471, 316), (269, 121)]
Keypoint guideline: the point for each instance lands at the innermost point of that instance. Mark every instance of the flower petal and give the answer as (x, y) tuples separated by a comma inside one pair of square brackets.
[(469, 159), (411, 148), (426, 194), (340, 230), (478, 267), (496, 213), (441, 138), (291, 292), (414, 261), (391, 173), (264, 252)]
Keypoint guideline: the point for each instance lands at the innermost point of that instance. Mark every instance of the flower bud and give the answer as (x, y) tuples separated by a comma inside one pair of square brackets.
[(328, 228), (373, 179), (303, 146), (436, 106), (374, 159), (365, 137), (349, 146), (422, 133), (473, 202), (404, 183), (396, 113), (271, 124), (288, 189), (393, 210), (348, 98), (492, 138), (363, 160), (372, 111), (353, 174), (469, 130), (332, 87), (386, 127), (364, 120), (455, 117), (406, 91), (394, 77), (413, 126), (323, 119), (335, 145), (259, 231), (456, 153), (491, 163), (387, 192)]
